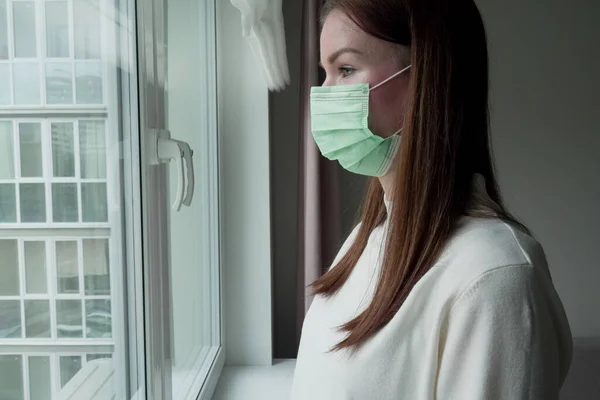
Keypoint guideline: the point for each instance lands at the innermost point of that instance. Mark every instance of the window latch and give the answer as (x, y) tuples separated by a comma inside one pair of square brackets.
[(167, 149)]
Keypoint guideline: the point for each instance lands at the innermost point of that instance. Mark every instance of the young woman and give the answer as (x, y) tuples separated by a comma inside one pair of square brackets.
[(438, 293)]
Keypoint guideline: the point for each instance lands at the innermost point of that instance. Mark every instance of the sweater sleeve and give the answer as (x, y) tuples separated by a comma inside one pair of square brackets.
[(501, 339)]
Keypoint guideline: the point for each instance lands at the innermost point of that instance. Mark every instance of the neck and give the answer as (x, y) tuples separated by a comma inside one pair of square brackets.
[(387, 183)]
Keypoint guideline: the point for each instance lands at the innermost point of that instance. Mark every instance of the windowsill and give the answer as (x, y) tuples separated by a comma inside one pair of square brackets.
[(265, 383)]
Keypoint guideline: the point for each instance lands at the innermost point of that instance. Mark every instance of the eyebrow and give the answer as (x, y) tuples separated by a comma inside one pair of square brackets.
[(333, 56)]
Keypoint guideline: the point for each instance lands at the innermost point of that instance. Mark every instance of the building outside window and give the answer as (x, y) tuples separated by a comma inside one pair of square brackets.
[(99, 275), (56, 220)]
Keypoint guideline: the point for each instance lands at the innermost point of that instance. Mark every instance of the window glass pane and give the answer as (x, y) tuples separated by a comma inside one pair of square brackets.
[(10, 319), (63, 150), (24, 29), (59, 83), (88, 81), (7, 159), (8, 203), (68, 317), (27, 83), (92, 149), (93, 202), (87, 29), (11, 378), (64, 202), (39, 378), (98, 318), (9, 270), (37, 319), (33, 202), (35, 267), (4, 83), (95, 267), (57, 29), (69, 366), (30, 139), (67, 267), (3, 30)]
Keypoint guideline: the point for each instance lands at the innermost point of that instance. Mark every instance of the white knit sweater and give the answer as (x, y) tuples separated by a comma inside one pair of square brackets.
[(484, 323)]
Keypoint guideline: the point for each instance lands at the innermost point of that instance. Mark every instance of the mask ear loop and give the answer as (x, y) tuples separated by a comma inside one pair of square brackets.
[(390, 78), (398, 131)]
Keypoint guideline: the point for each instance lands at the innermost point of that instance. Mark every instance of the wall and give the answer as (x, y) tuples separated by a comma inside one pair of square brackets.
[(245, 185), (545, 120)]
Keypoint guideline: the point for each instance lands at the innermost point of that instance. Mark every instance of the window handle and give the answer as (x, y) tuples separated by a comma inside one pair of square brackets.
[(188, 154), (168, 149)]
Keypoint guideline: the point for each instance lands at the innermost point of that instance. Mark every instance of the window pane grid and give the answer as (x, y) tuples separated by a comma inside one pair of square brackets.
[(52, 53), (36, 375), (34, 176), (58, 68), (42, 316)]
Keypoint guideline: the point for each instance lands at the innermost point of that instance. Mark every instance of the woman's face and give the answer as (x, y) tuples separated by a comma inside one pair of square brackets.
[(351, 56)]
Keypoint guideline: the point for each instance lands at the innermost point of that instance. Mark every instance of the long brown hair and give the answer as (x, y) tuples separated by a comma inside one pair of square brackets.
[(445, 142)]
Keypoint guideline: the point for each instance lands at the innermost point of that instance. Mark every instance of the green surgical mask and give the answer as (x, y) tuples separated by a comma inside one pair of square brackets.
[(340, 126)]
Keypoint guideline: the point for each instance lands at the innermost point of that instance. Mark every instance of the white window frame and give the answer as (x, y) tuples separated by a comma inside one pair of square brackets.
[(152, 88)]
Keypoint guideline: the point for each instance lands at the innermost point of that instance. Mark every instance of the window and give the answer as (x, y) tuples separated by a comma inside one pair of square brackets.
[(57, 170), (62, 220), (83, 209)]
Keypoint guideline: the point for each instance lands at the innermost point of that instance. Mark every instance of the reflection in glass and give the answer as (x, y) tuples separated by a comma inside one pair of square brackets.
[(11, 378), (87, 29), (69, 366), (68, 318), (3, 30), (33, 202), (98, 319), (63, 150), (8, 203), (64, 202), (26, 81), (92, 149), (10, 319), (93, 202), (67, 269), (57, 29), (37, 318), (30, 144), (9, 281), (95, 267), (7, 159), (59, 83), (97, 356), (4, 82), (35, 267), (39, 378), (88, 82), (24, 29)]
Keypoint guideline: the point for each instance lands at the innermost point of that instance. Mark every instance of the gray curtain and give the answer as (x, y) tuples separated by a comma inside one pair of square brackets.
[(319, 212)]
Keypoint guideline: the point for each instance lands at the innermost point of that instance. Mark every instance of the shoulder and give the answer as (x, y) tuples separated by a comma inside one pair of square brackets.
[(479, 246), (488, 253)]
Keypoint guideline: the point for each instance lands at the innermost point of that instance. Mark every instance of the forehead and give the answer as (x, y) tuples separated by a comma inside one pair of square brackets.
[(339, 31)]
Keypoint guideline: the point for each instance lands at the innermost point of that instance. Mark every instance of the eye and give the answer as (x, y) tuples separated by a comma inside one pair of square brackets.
[(346, 71)]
